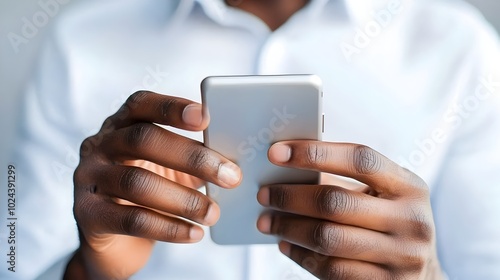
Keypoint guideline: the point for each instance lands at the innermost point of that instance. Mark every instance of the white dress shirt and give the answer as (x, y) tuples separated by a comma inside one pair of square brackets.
[(416, 80)]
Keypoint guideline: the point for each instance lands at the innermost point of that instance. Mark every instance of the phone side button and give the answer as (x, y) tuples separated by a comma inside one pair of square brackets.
[(323, 123)]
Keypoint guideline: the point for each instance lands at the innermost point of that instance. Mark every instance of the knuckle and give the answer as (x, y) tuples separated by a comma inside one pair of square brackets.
[(82, 180), (365, 160), (107, 126), (421, 225), (135, 99), (414, 257), (198, 158), (85, 194), (300, 257), (135, 222), (414, 180), (280, 197), (337, 269), (168, 106), (137, 134), (316, 154), (133, 181), (310, 263), (334, 270), (172, 231), (123, 113), (87, 147), (195, 206), (83, 208), (327, 238), (79, 175), (333, 203)]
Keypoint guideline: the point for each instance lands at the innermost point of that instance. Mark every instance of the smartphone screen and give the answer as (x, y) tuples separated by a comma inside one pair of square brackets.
[(247, 115)]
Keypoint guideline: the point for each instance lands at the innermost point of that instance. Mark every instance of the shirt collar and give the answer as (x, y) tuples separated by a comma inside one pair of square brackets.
[(355, 11), (217, 9)]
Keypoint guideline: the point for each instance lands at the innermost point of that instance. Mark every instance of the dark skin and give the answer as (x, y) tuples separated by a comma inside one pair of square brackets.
[(130, 171), (272, 12)]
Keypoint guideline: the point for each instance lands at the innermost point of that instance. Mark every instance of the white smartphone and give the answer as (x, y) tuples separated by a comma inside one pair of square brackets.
[(247, 115)]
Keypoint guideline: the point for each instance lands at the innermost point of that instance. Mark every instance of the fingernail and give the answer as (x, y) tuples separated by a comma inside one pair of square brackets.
[(229, 173), (285, 248), (196, 233), (213, 214), (263, 196), (280, 153), (264, 223), (192, 115)]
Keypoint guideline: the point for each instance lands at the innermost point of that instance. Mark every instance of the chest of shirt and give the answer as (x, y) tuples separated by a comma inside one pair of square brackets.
[(391, 103)]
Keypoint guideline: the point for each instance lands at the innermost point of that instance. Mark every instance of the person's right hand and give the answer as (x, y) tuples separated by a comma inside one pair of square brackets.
[(121, 209)]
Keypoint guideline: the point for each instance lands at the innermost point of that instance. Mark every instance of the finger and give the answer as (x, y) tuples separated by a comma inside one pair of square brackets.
[(145, 188), (331, 203), (152, 143), (106, 217), (172, 175), (145, 106), (329, 238), (344, 182), (325, 267), (350, 160)]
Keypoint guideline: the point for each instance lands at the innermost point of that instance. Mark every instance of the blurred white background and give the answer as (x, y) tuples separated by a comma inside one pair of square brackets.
[(15, 68)]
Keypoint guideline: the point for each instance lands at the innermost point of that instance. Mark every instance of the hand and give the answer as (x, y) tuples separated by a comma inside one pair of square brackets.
[(386, 232), (120, 208)]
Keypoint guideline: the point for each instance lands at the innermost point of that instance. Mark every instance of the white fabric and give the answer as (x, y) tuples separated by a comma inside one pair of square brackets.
[(396, 90)]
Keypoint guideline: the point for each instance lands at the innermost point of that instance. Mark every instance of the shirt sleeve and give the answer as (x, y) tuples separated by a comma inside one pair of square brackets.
[(45, 156), (466, 198)]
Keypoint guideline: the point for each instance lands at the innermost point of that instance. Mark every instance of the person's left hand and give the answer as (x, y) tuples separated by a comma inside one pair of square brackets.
[(335, 233)]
